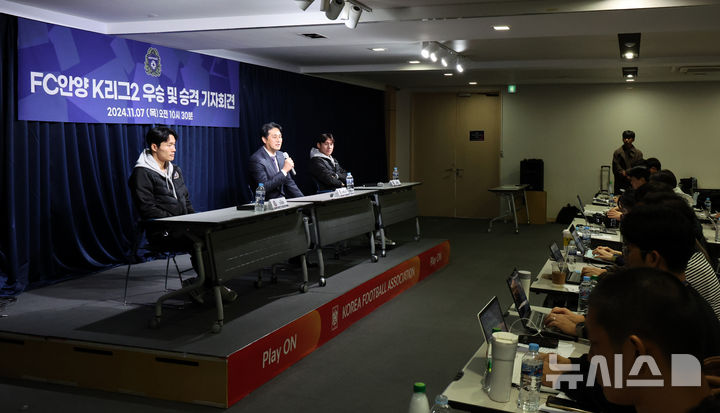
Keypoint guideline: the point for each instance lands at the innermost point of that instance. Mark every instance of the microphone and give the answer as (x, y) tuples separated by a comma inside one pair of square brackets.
[(293, 169)]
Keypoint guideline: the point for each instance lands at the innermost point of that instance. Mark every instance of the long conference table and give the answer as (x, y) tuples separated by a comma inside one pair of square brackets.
[(233, 241)]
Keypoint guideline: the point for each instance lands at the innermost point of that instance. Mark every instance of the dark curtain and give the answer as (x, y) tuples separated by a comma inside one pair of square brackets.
[(66, 208)]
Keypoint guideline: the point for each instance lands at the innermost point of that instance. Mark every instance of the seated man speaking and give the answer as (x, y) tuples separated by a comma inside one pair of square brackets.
[(265, 165)]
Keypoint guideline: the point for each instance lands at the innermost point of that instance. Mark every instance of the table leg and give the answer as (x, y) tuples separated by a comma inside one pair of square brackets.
[(217, 326), (514, 212), (527, 208)]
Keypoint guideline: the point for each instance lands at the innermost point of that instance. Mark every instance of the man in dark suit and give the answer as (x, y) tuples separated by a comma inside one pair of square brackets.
[(272, 167)]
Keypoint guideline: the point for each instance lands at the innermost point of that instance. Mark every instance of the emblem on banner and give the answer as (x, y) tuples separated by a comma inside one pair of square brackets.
[(152, 62)]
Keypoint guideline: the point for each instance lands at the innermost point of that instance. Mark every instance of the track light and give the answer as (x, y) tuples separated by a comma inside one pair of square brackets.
[(437, 51), (425, 51), (348, 10), (459, 65), (334, 9), (354, 15), (304, 4)]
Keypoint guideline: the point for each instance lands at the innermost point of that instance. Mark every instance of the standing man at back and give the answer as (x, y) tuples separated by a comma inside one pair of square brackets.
[(272, 167), (624, 158)]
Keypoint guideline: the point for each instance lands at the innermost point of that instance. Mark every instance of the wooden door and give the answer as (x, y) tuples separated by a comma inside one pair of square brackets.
[(432, 162), (477, 156), (455, 171)]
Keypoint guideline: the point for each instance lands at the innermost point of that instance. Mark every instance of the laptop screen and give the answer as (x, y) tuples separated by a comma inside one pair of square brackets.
[(522, 305), (491, 316), (555, 253)]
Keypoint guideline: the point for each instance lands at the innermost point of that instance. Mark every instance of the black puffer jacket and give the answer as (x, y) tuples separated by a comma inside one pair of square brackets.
[(154, 196)]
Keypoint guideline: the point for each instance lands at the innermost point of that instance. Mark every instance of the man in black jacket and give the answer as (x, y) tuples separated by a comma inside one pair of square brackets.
[(326, 170), (159, 191)]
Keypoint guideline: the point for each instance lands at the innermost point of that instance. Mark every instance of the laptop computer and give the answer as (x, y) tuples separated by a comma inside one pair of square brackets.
[(596, 228), (531, 320), (571, 277), (586, 253), (491, 316)]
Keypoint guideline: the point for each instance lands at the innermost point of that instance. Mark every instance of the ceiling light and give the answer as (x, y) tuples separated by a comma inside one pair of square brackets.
[(630, 73), (629, 80), (443, 61), (433, 56), (629, 44), (472, 83), (459, 66), (447, 74), (378, 49), (501, 28), (304, 4), (425, 51), (414, 62)]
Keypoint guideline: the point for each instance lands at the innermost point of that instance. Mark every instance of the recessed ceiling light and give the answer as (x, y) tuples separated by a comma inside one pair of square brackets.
[(378, 49), (447, 74), (629, 79), (501, 28), (472, 83), (629, 55), (414, 62)]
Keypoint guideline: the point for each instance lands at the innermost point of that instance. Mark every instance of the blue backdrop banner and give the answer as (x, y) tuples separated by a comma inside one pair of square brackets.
[(69, 75)]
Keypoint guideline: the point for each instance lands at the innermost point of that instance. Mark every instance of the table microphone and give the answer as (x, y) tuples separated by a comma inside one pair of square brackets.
[(293, 169)]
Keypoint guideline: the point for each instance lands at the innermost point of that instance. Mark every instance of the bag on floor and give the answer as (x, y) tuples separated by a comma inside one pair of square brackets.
[(567, 214)]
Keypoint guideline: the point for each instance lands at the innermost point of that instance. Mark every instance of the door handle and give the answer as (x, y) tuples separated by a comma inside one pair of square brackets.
[(457, 171)]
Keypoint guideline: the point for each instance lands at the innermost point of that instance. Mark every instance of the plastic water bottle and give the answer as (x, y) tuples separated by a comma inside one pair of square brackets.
[(350, 183), (419, 401), (531, 377), (586, 237), (441, 404), (396, 174), (571, 252), (260, 198), (708, 205), (584, 295)]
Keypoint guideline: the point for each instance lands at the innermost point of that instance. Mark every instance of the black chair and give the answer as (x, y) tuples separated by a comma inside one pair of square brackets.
[(153, 251)]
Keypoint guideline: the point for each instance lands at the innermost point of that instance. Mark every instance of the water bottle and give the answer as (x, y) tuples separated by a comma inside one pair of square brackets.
[(419, 401), (586, 237), (584, 295), (350, 183), (396, 174), (708, 205), (531, 377), (571, 252), (488, 355), (260, 198), (441, 404)]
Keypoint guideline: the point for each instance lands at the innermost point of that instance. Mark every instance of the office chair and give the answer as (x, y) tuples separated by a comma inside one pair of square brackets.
[(152, 251)]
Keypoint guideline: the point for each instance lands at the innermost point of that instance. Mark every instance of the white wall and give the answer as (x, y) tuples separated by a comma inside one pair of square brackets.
[(575, 129)]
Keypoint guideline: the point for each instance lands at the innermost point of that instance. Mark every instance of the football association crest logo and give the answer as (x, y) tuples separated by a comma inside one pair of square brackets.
[(152, 62)]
